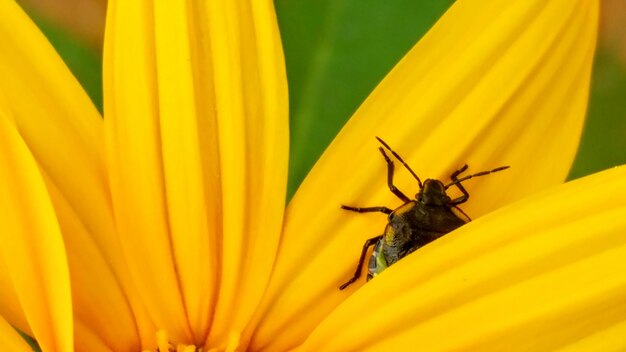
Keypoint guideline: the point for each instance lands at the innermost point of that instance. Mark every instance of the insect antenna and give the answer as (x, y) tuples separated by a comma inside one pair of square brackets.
[(482, 173), (419, 182)]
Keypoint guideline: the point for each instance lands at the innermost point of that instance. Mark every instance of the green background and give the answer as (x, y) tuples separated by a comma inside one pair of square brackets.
[(338, 50)]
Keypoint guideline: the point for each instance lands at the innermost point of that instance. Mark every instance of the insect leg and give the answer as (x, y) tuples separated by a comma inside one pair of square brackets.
[(462, 212), (370, 242), (455, 174), (457, 182), (368, 210), (392, 188)]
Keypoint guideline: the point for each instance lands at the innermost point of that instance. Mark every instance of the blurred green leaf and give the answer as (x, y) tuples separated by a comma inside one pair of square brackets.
[(31, 341), (84, 63), (603, 144), (336, 52)]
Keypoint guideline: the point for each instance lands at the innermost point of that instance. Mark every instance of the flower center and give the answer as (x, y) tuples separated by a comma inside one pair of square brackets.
[(164, 345)]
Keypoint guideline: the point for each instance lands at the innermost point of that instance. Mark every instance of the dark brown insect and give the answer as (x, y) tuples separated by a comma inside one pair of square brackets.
[(415, 223)]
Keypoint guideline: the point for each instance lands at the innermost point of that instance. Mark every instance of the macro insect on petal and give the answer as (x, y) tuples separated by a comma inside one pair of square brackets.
[(416, 222)]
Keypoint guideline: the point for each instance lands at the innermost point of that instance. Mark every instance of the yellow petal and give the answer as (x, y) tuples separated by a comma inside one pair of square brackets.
[(196, 115), (493, 83), (537, 275), (97, 297), (87, 339), (135, 163), (10, 307), (54, 116), (32, 246), (184, 100), (97, 294), (10, 340), (64, 132), (252, 120)]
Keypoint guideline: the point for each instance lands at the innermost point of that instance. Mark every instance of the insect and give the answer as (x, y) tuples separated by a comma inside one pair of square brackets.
[(416, 222)]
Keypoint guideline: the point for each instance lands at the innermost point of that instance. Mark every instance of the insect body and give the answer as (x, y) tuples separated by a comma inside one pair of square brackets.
[(415, 223)]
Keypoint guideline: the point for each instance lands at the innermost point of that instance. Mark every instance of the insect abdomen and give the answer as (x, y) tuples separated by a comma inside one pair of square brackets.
[(377, 262)]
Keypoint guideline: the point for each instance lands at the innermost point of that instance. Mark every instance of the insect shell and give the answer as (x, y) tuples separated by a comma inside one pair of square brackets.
[(415, 223)]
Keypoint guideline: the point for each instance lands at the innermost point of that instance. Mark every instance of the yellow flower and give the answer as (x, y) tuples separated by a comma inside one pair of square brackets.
[(161, 225)]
